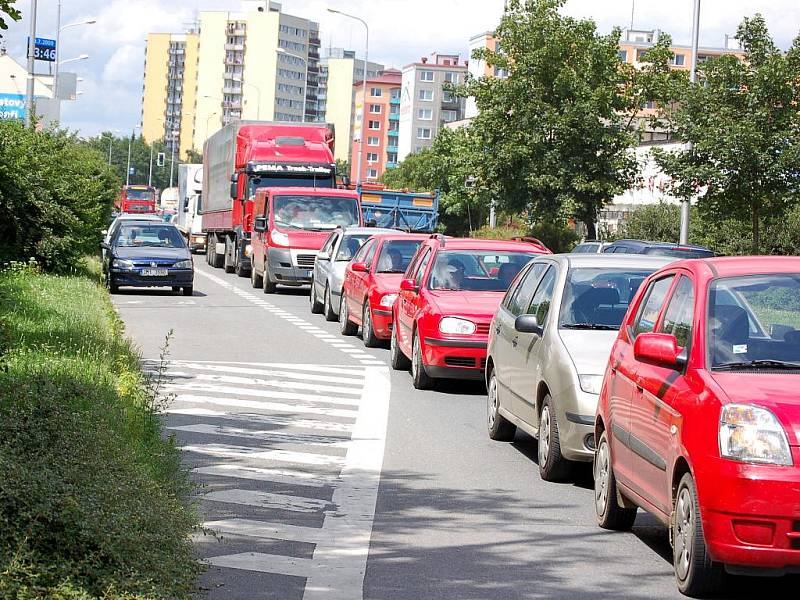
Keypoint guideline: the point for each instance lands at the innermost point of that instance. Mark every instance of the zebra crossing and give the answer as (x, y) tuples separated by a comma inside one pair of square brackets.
[(289, 458)]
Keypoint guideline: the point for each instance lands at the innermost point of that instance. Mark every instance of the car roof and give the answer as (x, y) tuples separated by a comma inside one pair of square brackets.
[(646, 243), (611, 261), (400, 235), (734, 266), (366, 230), (139, 217), (149, 222), (484, 244)]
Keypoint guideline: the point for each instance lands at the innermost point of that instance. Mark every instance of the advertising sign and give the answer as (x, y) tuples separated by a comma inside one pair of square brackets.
[(12, 106)]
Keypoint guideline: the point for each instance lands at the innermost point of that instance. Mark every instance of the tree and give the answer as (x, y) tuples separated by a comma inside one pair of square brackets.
[(7, 10), (555, 136), (140, 159), (743, 121)]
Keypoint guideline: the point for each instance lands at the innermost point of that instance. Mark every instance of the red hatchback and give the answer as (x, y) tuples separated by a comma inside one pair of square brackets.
[(447, 299), (699, 417), (371, 283)]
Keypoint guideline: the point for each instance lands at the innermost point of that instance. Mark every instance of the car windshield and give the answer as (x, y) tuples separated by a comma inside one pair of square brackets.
[(149, 236), (396, 255), (314, 213), (586, 248), (754, 322), (139, 194), (678, 252), (476, 270), (351, 242), (598, 298)]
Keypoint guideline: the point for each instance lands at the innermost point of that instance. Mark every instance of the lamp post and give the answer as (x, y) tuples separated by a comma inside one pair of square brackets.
[(364, 85), (31, 67), (258, 98), (128, 168), (69, 60), (110, 143), (685, 203), (59, 29), (207, 120), (305, 78)]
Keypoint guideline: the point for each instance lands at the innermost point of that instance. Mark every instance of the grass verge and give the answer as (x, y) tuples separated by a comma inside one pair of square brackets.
[(93, 502)]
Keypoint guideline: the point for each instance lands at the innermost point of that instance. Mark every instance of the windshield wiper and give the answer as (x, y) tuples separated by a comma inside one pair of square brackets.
[(598, 326), (761, 363), (285, 224)]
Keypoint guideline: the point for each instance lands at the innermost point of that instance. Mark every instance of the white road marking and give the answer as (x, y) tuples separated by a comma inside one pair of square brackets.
[(265, 563), (287, 422), (267, 500), (247, 452), (272, 406), (251, 528), (292, 385), (286, 476), (242, 391), (283, 437)]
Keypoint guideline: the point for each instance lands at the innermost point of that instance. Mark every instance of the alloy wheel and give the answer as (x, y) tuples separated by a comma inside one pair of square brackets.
[(601, 469), (544, 436), (492, 401), (684, 532)]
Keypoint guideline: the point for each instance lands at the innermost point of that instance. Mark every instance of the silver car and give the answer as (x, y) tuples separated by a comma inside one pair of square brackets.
[(549, 344), (329, 265)]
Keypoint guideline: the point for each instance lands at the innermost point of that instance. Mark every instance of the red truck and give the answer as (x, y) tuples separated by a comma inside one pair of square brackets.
[(136, 199), (291, 225), (245, 156)]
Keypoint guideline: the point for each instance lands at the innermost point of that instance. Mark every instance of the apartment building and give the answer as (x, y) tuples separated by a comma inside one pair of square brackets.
[(382, 125), (425, 106), (339, 71), (258, 63)]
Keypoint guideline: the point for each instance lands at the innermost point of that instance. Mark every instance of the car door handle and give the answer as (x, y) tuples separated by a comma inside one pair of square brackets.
[(640, 389)]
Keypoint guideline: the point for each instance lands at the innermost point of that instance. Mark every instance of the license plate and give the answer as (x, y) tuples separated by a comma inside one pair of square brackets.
[(307, 274), (155, 272)]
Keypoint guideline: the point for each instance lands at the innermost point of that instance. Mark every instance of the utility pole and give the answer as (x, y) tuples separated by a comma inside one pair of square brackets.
[(686, 202), (29, 116), (150, 173)]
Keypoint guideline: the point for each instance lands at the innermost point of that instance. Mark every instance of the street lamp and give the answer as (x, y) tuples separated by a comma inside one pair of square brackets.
[(258, 98), (305, 78), (130, 140), (364, 102), (69, 60), (59, 29), (207, 121), (110, 142), (685, 203)]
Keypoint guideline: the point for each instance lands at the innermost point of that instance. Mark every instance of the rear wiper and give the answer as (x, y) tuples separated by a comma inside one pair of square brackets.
[(765, 363), (598, 326)]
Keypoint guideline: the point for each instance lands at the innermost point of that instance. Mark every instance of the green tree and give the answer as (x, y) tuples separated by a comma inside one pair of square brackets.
[(140, 158), (555, 136), (55, 196), (8, 10), (656, 222), (743, 121)]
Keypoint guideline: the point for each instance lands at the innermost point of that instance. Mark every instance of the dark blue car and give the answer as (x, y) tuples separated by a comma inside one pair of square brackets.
[(657, 249), (148, 254)]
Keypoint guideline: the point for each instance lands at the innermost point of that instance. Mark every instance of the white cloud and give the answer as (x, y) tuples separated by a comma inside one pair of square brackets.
[(127, 62)]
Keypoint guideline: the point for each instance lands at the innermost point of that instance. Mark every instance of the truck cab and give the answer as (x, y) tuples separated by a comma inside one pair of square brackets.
[(290, 225), (137, 199)]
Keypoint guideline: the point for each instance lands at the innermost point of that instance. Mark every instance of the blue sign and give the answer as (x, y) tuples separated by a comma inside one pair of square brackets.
[(44, 49), (12, 106)]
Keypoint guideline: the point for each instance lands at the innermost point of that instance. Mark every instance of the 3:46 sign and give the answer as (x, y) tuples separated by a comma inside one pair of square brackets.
[(44, 49)]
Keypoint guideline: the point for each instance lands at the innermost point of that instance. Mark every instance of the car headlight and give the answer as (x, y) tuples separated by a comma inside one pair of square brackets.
[(248, 249), (388, 300), (456, 325), (591, 384), (120, 263), (752, 434), (182, 264), (278, 238)]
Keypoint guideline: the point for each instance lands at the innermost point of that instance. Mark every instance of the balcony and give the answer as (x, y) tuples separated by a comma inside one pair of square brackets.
[(313, 69), (234, 60), (395, 101), (394, 116), (237, 31), (313, 55), (314, 41), (231, 90), (391, 165), (390, 147), (234, 47), (394, 133)]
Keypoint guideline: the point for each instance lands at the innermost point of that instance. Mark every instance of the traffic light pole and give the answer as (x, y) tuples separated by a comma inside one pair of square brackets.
[(29, 89), (150, 174)]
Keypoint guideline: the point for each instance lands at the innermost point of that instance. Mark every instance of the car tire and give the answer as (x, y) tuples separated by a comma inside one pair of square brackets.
[(610, 515), (176, 288), (188, 290), (420, 379), (110, 286), (552, 464), (241, 271), (230, 259), (316, 305), (367, 332), (327, 306), (500, 429), (270, 287), (256, 280), (346, 326), (397, 359), (217, 261), (697, 575)]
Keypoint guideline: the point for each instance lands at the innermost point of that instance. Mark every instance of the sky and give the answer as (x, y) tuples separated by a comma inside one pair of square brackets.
[(401, 31)]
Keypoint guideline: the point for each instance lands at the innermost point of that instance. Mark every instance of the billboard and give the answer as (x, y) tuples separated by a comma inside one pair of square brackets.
[(12, 106)]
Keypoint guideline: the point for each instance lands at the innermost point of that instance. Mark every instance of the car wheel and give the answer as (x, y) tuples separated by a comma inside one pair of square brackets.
[(270, 287), (327, 306), (256, 280), (398, 360), (176, 288), (696, 573), (499, 428), (230, 260), (610, 515), (316, 305), (420, 379), (367, 332), (552, 465), (346, 326), (188, 290), (112, 289)]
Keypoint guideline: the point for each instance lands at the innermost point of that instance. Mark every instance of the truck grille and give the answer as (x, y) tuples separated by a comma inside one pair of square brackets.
[(306, 261)]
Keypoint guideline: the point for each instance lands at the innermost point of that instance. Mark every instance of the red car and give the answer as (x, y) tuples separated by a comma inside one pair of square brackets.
[(447, 298), (699, 417), (371, 282)]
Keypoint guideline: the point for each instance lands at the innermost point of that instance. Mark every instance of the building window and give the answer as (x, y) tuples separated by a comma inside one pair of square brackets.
[(424, 133), (375, 125), (372, 157), (426, 95), (375, 92), (373, 140), (448, 116), (451, 77), (623, 55), (448, 97), (375, 109), (501, 73), (641, 55), (372, 173), (678, 60), (426, 114), (426, 75), (391, 157)]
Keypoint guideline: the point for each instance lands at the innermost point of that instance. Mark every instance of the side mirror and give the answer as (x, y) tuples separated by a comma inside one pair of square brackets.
[(324, 256), (260, 224), (104, 245), (346, 181), (186, 206), (360, 267), (659, 348), (409, 285), (528, 324), (234, 185)]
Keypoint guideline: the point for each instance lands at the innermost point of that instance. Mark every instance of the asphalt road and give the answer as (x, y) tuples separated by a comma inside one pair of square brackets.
[(326, 475)]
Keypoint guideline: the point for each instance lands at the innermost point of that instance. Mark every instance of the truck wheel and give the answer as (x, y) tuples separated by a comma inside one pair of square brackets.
[(256, 280), (270, 287), (230, 251), (216, 260)]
